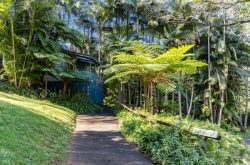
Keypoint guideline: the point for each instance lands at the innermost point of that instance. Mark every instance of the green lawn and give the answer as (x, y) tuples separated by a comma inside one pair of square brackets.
[(33, 132)]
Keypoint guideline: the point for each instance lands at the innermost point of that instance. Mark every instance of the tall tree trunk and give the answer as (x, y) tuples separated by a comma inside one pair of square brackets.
[(225, 71), (166, 96), (194, 109), (88, 45), (246, 108), (100, 41), (186, 96), (191, 99), (119, 28), (221, 107), (145, 87), (26, 52), (116, 24), (209, 77), (137, 23), (123, 94), (152, 97), (120, 94), (241, 117), (138, 100), (127, 24), (172, 97), (13, 49), (129, 95), (179, 97)]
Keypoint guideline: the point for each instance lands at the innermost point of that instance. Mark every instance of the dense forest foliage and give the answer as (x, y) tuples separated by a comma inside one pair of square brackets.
[(183, 58), (33, 34)]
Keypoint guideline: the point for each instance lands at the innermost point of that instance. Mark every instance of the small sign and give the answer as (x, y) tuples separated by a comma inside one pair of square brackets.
[(207, 133)]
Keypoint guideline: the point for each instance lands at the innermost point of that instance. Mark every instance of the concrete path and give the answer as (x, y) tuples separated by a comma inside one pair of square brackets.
[(98, 141)]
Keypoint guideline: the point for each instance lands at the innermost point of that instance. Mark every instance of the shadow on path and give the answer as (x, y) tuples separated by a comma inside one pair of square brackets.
[(98, 141)]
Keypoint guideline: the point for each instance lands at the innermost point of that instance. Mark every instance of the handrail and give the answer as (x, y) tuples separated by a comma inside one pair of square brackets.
[(150, 119)]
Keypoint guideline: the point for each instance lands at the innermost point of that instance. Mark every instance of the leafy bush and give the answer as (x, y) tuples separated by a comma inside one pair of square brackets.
[(111, 95), (78, 103), (80, 107), (28, 92), (176, 145)]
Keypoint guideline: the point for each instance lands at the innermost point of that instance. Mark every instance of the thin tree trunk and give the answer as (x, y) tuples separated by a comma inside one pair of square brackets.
[(241, 117), (186, 96), (221, 107), (225, 70), (179, 97), (88, 45), (100, 41), (137, 23), (116, 23), (194, 109), (148, 90), (26, 52), (13, 50), (127, 24), (209, 77), (166, 96), (191, 99), (246, 108), (138, 100), (129, 95), (123, 94), (172, 97), (120, 94), (152, 97), (145, 87)]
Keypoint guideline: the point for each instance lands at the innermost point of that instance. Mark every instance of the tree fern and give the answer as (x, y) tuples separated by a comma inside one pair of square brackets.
[(150, 66)]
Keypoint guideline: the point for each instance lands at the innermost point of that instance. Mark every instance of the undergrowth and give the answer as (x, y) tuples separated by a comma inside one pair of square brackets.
[(80, 107), (77, 103), (176, 145)]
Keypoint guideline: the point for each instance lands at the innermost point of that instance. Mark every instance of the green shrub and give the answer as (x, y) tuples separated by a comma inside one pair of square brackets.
[(111, 97), (176, 145), (28, 92), (78, 103), (80, 107)]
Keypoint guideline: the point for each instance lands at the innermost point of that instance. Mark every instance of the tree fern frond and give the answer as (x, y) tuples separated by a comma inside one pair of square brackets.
[(128, 58), (122, 75), (174, 54)]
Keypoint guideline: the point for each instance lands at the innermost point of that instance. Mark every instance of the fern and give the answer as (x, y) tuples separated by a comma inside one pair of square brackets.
[(144, 60)]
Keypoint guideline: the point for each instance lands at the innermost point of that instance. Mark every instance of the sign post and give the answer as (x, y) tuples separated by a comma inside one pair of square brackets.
[(206, 133)]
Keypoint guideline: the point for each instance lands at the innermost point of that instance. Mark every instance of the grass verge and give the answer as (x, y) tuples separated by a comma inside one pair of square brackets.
[(33, 132)]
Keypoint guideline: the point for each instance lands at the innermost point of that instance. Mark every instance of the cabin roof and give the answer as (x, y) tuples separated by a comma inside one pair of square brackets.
[(83, 57)]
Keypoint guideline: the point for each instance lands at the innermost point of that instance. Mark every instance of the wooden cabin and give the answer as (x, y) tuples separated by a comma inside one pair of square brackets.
[(91, 88)]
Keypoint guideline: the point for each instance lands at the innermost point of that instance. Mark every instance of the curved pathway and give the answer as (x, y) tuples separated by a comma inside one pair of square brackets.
[(97, 140)]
